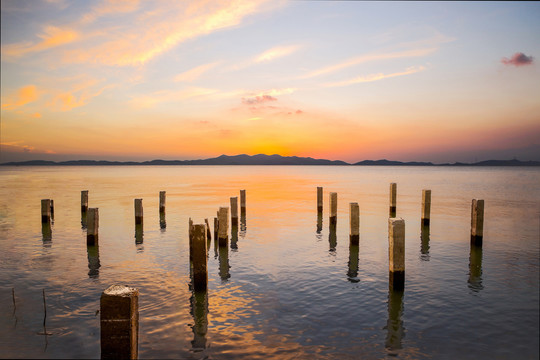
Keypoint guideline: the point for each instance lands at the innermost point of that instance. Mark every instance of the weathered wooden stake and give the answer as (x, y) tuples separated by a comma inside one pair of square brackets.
[(119, 318), (223, 229), (92, 223), (354, 220), (393, 199), (319, 199), (475, 268), (426, 206), (477, 222), (208, 232), (190, 232), (162, 202), (45, 210), (138, 211), (243, 202), (333, 208), (52, 209), (200, 272), (216, 226), (396, 252), (352, 274), (234, 211), (93, 261), (84, 201)]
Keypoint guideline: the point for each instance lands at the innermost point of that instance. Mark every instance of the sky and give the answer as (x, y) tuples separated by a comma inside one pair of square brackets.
[(348, 80)]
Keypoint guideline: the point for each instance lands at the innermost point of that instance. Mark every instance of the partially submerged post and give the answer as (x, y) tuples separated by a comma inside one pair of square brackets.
[(45, 210), (319, 199), (396, 252), (52, 209), (208, 232), (354, 220), (393, 199), (234, 211), (92, 223), (223, 230), (200, 272), (477, 222), (242, 203), (216, 226), (138, 211), (162, 202), (333, 208), (119, 320), (84, 201), (426, 207)]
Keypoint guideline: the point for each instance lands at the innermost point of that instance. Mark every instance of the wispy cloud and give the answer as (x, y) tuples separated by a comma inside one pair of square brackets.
[(79, 94), (275, 53), (21, 97), (110, 7), (370, 57), (51, 37), (375, 77), (518, 59), (259, 99), (164, 96), (195, 73)]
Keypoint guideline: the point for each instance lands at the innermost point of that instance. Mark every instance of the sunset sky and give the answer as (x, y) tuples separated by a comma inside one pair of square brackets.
[(352, 80)]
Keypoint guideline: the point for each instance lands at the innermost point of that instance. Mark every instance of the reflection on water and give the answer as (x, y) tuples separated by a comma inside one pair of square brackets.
[(332, 237), (352, 274), (475, 269), (139, 234), (234, 237), (243, 223), (224, 266), (395, 330), (46, 231), (83, 219), (93, 261), (162, 222), (424, 247), (199, 311), (319, 222)]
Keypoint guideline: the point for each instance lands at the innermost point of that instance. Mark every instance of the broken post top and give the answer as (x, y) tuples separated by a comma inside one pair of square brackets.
[(121, 290)]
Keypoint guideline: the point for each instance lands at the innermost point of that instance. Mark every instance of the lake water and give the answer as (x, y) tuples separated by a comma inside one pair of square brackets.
[(282, 289)]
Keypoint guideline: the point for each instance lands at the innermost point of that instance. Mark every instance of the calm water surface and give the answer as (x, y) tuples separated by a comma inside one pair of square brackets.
[(282, 288)]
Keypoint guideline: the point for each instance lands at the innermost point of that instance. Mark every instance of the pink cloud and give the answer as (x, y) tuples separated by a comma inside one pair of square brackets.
[(518, 59), (259, 99)]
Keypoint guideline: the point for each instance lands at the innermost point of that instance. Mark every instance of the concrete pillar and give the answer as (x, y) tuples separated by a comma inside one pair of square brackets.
[(138, 211), (354, 221), (162, 202), (333, 208), (477, 222), (119, 320), (92, 223), (200, 266), (426, 206), (45, 210), (84, 201), (234, 211), (393, 199), (396, 252), (223, 230), (319, 199)]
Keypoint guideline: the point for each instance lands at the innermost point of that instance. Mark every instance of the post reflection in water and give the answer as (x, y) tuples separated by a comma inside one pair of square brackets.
[(83, 220), (93, 261), (199, 311), (475, 269), (332, 237), (224, 263), (162, 222), (319, 222), (46, 232), (394, 326), (243, 222), (139, 237), (352, 274), (234, 237), (424, 247)]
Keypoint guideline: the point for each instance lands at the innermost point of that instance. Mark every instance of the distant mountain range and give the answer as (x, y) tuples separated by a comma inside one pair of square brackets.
[(262, 159)]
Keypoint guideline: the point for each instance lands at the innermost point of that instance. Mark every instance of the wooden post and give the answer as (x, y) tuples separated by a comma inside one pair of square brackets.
[(477, 222), (396, 252), (352, 274), (319, 199), (190, 232), (84, 201), (200, 272), (223, 230), (333, 208), (45, 210), (52, 209), (426, 206), (234, 211), (393, 199), (243, 202), (354, 220), (138, 211), (119, 318), (162, 202), (208, 232), (216, 226), (475, 268), (92, 222), (93, 261)]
